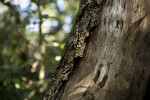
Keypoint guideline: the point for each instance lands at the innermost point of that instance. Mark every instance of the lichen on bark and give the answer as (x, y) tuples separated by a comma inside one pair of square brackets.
[(86, 21)]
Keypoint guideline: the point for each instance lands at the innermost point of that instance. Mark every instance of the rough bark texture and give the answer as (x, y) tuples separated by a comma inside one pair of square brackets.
[(107, 56)]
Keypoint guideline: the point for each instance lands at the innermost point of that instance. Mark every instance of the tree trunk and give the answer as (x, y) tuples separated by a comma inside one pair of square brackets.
[(107, 56)]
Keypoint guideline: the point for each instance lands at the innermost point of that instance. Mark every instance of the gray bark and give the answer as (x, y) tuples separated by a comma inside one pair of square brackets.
[(107, 56)]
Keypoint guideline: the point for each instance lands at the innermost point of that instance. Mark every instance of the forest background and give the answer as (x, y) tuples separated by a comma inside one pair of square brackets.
[(32, 36)]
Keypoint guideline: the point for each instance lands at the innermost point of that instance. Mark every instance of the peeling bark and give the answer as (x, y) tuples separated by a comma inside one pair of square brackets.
[(107, 56)]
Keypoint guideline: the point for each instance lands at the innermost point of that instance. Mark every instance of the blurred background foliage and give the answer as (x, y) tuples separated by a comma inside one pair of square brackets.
[(32, 37)]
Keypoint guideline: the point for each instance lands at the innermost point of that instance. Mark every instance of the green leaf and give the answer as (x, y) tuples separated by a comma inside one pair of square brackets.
[(45, 16), (6, 82), (15, 80)]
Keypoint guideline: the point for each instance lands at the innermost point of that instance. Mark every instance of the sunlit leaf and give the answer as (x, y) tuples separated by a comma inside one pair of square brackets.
[(17, 85), (62, 46), (57, 58)]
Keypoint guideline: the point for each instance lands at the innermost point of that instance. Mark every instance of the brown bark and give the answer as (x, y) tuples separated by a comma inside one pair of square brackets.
[(108, 54)]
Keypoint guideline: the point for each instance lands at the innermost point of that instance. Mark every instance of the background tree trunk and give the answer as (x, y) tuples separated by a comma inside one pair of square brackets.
[(107, 56)]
